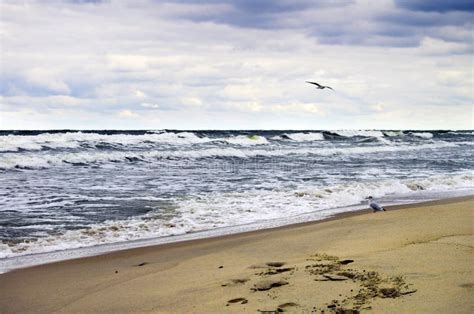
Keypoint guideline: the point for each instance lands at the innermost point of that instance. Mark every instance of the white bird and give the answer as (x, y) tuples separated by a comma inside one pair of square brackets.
[(376, 207)]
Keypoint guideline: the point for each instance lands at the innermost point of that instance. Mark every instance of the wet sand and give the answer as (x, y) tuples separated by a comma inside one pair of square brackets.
[(410, 259)]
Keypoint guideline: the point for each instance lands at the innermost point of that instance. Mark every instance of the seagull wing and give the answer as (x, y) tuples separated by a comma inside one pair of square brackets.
[(314, 83), (375, 206), (329, 87)]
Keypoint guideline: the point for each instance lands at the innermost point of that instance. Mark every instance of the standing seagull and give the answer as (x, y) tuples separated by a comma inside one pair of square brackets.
[(376, 207), (319, 86)]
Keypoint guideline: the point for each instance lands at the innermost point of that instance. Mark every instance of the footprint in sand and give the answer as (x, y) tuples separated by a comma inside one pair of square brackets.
[(268, 284), (283, 307), (267, 264), (280, 309), (333, 277), (235, 282), (469, 285), (237, 300), (274, 271), (275, 264)]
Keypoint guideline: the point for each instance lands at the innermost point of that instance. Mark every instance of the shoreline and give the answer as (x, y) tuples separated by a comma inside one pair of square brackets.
[(45, 258), (428, 245)]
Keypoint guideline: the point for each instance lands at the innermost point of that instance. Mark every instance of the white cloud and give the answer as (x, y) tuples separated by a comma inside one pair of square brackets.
[(128, 62), (433, 46), (151, 106), (42, 78), (126, 113), (140, 94), (192, 101), (254, 106), (378, 107), (299, 108)]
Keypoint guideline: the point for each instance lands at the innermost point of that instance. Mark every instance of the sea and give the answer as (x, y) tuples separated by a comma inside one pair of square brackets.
[(68, 193)]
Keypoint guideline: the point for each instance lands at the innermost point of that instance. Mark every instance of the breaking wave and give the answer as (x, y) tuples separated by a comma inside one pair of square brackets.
[(13, 143), (305, 137), (363, 133), (25, 161), (426, 135), (103, 140), (246, 140)]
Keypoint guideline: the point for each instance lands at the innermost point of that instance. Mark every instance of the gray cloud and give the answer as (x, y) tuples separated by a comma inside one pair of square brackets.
[(266, 14), (402, 26), (436, 5), (85, 1)]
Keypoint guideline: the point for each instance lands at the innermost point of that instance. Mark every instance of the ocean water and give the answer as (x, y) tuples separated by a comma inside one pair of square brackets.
[(62, 190)]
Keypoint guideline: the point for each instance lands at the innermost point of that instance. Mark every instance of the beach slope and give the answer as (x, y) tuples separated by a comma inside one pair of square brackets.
[(410, 259)]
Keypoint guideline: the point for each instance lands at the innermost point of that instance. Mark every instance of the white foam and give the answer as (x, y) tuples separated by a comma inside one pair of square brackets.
[(365, 133), (6, 251), (461, 133), (426, 135), (247, 140), (305, 137)]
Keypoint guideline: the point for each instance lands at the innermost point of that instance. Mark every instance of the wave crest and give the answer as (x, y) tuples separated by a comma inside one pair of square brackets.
[(13, 160), (354, 133), (425, 135), (305, 137)]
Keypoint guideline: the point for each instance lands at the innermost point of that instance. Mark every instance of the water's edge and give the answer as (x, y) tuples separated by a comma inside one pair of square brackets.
[(24, 261)]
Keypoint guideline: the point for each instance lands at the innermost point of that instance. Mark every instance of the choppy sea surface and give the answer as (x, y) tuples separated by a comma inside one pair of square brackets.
[(61, 190)]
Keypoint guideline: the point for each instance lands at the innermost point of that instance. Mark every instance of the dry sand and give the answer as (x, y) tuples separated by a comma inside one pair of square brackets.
[(416, 259)]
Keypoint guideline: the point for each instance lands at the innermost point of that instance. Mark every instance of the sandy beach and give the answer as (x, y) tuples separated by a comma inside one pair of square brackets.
[(207, 156), (410, 259)]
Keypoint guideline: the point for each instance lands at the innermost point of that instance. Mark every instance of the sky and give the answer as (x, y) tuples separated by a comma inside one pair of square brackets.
[(188, 64)]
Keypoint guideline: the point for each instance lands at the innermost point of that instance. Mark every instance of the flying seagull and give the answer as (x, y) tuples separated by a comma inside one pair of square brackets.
[(319, 86)]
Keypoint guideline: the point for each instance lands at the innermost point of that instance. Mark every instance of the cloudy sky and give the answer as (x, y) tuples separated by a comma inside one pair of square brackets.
[(188, 64)]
